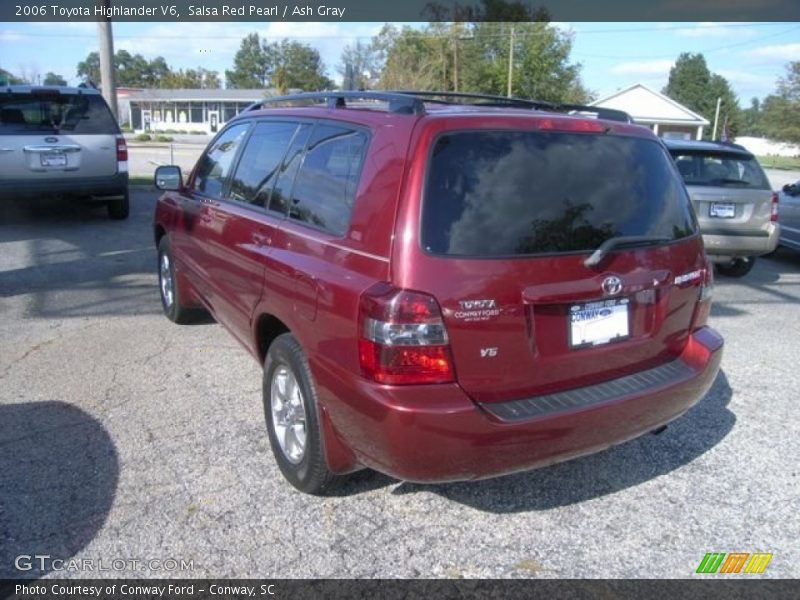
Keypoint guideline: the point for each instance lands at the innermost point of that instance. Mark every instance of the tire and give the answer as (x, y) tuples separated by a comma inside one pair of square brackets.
[(738, 267), (290, 410), (120, 209), (168, 288)]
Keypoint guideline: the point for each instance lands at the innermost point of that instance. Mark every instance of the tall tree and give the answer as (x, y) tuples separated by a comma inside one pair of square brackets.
[(692, 84), (52, 79), (89, 69), (283, 65), (7, 78), (781, 110), (251, 65), (358, 66)]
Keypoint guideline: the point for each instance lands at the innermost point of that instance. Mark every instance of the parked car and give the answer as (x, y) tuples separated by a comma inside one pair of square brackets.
[(736, 208), (65, 141), (441, 291), (789, 211)]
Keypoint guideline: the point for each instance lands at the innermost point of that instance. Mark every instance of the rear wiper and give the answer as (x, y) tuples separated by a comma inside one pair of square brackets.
[(622, 240)]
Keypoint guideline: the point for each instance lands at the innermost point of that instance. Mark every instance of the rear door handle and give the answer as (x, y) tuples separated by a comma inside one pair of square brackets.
[(261, 239)]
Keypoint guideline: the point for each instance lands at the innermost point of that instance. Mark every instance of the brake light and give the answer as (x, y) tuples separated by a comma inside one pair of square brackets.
[(579, 125), (402, 337), (122, 149), (773, 215)]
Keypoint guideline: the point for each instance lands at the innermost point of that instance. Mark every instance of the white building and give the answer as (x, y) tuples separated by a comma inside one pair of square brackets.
[(202, 110), (660, 113)]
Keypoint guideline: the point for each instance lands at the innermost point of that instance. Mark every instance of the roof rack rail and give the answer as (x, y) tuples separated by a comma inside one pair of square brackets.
[(397, 103), (609, 114)]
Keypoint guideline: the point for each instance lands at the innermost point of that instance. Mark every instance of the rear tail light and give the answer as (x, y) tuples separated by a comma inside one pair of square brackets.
[(402, 337), (122, 149), (773, 215), (577, 125)]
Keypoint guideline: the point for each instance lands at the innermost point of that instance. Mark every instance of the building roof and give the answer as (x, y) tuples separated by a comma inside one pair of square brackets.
[(208, 95), (648, 106)]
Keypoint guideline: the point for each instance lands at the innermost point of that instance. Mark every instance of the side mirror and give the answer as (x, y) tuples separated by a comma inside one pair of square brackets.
[(169, 178)]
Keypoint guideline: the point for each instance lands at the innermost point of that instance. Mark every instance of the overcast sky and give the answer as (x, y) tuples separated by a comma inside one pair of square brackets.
[(614, 55)]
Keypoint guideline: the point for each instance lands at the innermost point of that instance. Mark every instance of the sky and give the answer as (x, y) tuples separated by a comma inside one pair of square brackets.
[(751, 56)]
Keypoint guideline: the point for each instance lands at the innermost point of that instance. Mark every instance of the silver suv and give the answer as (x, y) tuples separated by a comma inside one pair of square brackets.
[(65, 141), (735, 206)]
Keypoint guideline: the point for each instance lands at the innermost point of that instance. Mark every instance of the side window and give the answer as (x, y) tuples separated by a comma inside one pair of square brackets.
[(215, 164), (258, 168), (283, 186), (326, 184)]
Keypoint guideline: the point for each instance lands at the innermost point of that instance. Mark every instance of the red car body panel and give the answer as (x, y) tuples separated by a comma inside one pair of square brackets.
[(244, 265)]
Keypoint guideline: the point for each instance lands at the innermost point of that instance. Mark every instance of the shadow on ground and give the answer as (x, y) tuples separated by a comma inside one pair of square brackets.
[(59, 471), (67, 259), (608, 472)]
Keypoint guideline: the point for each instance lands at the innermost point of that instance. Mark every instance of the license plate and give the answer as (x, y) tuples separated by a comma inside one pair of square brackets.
[(596, 323), (53, 159), (723, 210)]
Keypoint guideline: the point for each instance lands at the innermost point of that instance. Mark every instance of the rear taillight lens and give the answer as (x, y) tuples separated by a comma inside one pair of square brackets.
[(402, 337), (773, 215), (122, 149)]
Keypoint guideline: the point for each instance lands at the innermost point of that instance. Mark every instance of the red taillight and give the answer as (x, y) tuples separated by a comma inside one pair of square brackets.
[(402, 337), (773, 215), (122, 149)]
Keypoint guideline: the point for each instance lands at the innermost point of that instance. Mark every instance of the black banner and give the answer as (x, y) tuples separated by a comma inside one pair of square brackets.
[(407, 10), (241, 589)]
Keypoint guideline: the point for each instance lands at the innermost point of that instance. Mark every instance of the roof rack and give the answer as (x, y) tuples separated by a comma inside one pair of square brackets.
[(413, 102), (609, 114), (397, 103)]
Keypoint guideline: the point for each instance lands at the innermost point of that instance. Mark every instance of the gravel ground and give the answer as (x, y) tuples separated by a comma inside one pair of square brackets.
[(123, 436)]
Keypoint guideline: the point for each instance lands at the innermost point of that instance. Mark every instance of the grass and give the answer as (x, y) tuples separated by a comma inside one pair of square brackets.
[(780, 162), (140, 180)]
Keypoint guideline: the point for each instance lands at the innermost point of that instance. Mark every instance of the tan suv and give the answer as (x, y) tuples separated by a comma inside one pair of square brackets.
[(65, 141), (736, 209)]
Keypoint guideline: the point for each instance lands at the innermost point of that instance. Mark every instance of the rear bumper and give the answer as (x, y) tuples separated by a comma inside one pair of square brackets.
[(113, 185), (437, 433), (723, 245)]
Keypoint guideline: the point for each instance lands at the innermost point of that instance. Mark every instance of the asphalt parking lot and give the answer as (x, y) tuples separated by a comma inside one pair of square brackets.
[(124, 437)]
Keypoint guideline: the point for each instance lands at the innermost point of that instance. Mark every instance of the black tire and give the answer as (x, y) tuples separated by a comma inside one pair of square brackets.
[(120, 209), (174, 308), (306, 471), (738, 267)]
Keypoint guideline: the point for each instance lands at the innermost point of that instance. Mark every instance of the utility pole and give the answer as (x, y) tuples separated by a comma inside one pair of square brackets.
[(716, 119), (510, 62), (107, 79)]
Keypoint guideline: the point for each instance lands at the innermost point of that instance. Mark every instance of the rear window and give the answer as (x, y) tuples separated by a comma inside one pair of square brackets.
[(31, 113), (505, 193), (720, 169)]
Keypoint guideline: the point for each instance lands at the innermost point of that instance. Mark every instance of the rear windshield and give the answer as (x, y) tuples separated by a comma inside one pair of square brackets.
[(501, 193), (720, 169), (33, 113)]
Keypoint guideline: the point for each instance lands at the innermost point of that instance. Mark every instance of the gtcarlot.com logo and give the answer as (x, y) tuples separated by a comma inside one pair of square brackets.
[(734, 562), (45, 562)]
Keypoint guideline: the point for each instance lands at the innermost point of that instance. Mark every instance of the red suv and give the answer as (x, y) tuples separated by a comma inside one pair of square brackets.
[(443, 286)]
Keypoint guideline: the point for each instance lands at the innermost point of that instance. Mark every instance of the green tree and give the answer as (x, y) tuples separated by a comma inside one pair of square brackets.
[(358, 66), (283, 65), (251, 65), (7, 78), (191, 79), (692, 84), (751, 119), (52, 79), (474, 55), (781, 110), (89, 69)]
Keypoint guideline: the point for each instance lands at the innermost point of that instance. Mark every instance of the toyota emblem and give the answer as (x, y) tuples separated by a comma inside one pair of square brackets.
[(612, 285)]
